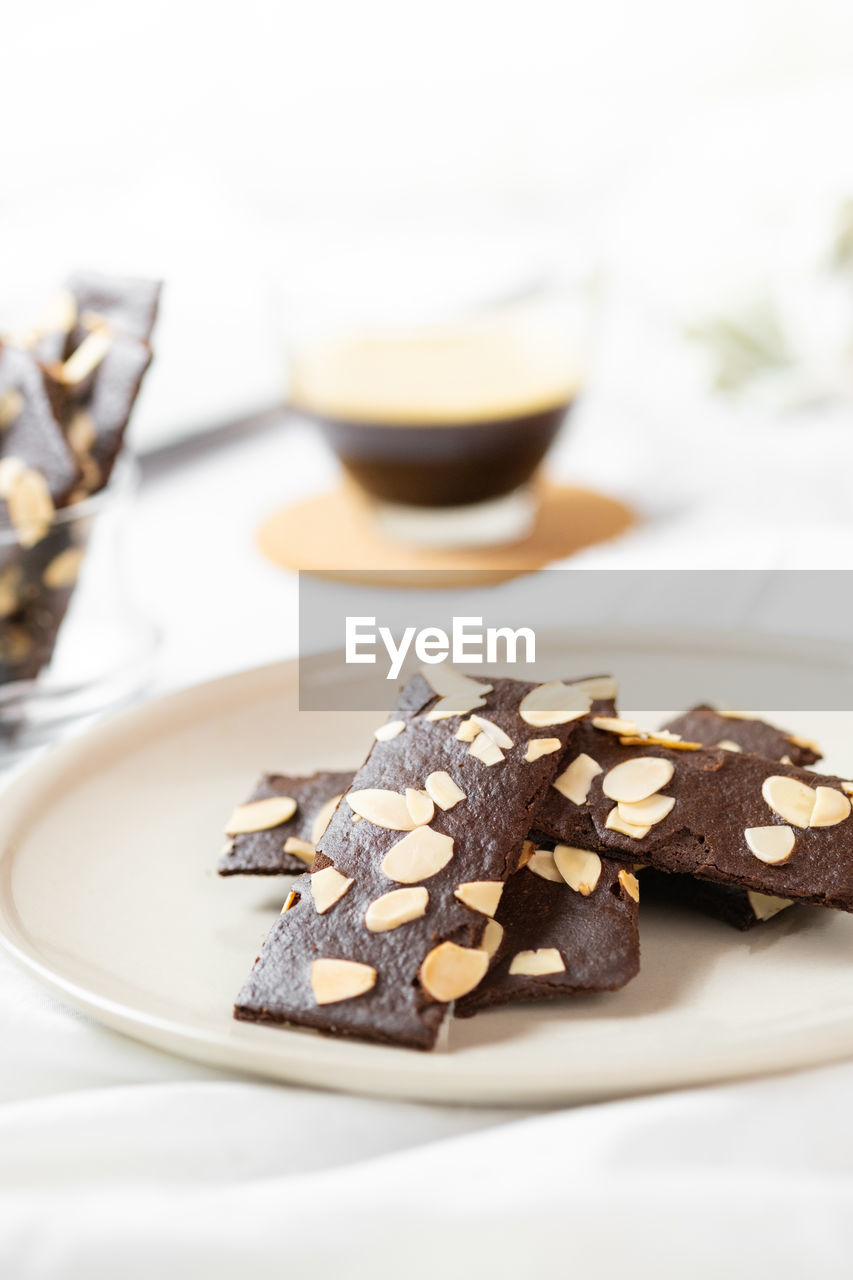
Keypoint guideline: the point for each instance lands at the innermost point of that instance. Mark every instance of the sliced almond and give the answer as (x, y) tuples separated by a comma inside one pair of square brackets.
[(579, 868), (11, 404), (300, 849), (493, 936), (445, 680), (770, 844), (450, 971), (612, 724), (630, 884), (85, 359), (615, 822), (791, 799), (63, 569), (334, 980), (785, 760), (260, 815), (456, 704), (323, 817), (467, 731), (645, 813), (599, 688), (482, 748), (554, 703), (443, 790), (528, 849), (290, 901), (806, 743), (541, 863), (728, 745), (636, 779), (386, 809), (419, 855), (830, 807), (535, 964), (82, 433), (420, 806), (327, 887), (480, 895), (386, 732), (10, 590), (848, 787), (765, 905), (539, 747), (30, 507), (396, 908), (494, 731), (660, 739), (574, 783)]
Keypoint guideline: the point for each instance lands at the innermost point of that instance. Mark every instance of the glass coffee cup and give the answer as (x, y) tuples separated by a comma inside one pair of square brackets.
[(442, 416)]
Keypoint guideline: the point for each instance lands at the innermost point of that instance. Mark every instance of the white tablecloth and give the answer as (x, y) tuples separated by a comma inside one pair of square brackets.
[(119, 1162)]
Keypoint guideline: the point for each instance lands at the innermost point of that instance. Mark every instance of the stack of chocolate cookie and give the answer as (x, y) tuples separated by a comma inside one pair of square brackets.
[(67, 390), (492, 846)]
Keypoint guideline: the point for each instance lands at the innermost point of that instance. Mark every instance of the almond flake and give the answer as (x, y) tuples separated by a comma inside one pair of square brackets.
[(300, 849), (615, 822), (660, 739), (467, 731), (612, 724), (493, 936), (765, 905), (85, 359), (645, 813), (482, 748), (63, 569), (528, 849), (636, 779), (323, 817), (386, 809), (539, 747), (630, 884), (770, 844), (450, 971), (553, 703), (536, 964), (542, 863), (791, 799), (579, 868), (495, 732), (290, 901), (575, 781), (260, 815), (396, 908), (420, 806), (11, 404), (334, 980), (327, 887), (419, 855), (480, 895), (726, 744), (830, 807), (599, 688), (386, 732), (443, 790)]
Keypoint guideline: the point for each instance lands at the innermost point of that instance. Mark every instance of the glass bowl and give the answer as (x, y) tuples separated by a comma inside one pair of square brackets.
[(72, 645)]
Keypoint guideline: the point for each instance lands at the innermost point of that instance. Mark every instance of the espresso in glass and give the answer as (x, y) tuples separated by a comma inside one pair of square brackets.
[(449, 417)]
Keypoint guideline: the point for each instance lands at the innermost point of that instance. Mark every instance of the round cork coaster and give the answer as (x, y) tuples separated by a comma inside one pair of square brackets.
[(333, 534)]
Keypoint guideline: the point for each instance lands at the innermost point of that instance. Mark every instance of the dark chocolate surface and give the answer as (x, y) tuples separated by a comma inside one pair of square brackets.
[(261, 853), (597, 937), (35, 435), (488, 828), (718, 795), (706, 725)]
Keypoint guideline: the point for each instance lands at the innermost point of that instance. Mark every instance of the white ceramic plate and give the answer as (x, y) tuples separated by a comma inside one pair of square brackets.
[(108, 894)]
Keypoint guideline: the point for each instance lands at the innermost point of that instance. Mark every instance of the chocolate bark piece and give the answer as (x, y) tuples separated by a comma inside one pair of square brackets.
[(559, 941), (128, 303), (30, 427), (719, 826), (711, 727), (262, 853), (377, 941)]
